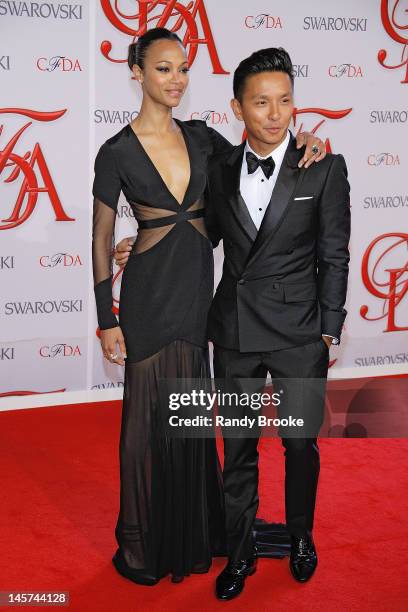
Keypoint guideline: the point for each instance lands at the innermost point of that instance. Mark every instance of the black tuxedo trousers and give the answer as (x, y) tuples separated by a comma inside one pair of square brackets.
[(282, 287), (287, 367)]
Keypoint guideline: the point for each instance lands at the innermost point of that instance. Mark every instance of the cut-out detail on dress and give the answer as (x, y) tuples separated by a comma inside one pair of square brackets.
[(148, 238), (199, 224), (156, 223)]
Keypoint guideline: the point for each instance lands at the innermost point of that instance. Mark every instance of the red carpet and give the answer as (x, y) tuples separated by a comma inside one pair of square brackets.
[(60, 491)]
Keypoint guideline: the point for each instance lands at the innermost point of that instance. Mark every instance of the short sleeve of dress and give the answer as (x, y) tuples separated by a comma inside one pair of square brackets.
[(106, 190)]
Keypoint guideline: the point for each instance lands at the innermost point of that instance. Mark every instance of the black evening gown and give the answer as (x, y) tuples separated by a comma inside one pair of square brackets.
[(171, 517)]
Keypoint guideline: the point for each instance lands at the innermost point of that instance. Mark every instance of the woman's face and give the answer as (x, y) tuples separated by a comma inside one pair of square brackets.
[(164, 77)]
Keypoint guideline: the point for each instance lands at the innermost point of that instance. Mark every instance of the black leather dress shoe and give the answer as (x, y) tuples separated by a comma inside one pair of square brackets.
[(303, 558), (230, 583)]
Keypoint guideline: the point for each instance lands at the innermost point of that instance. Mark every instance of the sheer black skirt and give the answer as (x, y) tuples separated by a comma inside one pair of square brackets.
[(171, 517)]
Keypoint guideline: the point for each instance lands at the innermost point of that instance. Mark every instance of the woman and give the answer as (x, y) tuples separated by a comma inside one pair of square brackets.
[(171, 503)]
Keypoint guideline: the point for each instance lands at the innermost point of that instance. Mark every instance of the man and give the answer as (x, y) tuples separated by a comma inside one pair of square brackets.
[(280, 302)]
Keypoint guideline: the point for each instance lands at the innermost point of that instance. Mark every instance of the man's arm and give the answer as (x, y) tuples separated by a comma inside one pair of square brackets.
[(122, 251), (332, 248), (211, 221)]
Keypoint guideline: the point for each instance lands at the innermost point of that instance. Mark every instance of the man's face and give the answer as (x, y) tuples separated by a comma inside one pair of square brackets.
[(266, 108)]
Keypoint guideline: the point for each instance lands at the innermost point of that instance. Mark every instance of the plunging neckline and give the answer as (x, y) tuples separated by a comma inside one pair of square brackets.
[(150, 161)]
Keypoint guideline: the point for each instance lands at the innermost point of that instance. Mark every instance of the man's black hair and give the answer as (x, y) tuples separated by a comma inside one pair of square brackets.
[(265, 60)]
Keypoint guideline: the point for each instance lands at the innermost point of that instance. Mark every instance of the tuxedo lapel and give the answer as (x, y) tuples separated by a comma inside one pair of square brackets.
[(235, 199), (284, 187)]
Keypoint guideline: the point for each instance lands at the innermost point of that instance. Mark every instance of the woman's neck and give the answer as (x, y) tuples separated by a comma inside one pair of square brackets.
[(154, 118)]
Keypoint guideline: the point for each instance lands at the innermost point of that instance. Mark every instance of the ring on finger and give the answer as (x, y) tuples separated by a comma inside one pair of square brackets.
[(315, 149)]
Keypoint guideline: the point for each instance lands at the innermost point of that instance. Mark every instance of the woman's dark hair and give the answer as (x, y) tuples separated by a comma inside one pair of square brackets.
[(137, 50), (264, 60)]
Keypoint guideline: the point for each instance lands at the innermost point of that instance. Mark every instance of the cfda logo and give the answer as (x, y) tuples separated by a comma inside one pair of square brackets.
[(384, 270), (391, 19), (322, 114), (171, 14), (30, 168), (263, 20), (345, 70), (60, 350), (60, 63), (383, 159)]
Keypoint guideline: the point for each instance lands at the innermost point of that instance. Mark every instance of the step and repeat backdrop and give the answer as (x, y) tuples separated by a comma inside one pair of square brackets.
[(66, 88)]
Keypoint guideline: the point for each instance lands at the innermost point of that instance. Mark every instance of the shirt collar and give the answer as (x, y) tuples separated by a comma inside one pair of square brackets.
[(277, 154)]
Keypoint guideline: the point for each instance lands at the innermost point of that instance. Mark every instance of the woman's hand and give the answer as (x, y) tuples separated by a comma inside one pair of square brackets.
[(109, 339), (315, 148), (122, 251)]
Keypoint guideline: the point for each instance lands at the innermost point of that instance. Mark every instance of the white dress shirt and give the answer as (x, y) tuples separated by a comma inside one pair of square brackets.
[(255, 188)]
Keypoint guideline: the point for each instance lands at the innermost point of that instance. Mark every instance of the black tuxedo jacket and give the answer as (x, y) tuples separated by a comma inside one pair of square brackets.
[(284, 285)]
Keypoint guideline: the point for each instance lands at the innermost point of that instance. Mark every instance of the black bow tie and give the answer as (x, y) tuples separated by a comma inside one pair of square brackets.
[(253, 162)]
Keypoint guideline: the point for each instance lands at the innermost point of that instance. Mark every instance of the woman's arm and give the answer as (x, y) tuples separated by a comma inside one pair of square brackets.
[(315, 148), (106, 191), (219, 144)]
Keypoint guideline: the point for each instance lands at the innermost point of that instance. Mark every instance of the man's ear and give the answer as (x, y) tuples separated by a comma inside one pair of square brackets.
[(236, 109)]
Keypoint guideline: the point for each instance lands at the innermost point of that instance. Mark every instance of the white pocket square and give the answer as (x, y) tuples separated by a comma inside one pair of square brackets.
[(304, 198)]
